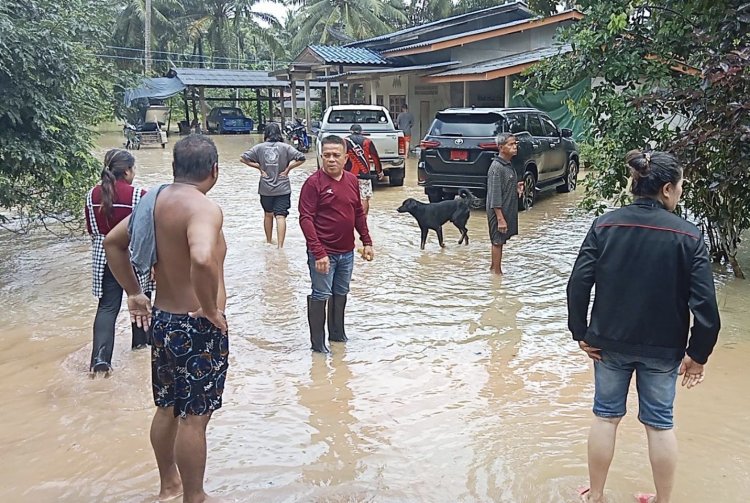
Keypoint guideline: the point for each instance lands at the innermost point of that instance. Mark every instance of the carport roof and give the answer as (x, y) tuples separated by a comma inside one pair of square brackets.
[(384, 72), (216, 77)]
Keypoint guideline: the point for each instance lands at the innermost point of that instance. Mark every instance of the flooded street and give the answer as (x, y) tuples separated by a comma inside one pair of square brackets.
[(454, 387)]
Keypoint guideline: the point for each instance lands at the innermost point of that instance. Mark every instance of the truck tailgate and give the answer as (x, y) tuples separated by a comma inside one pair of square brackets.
[(386, 143)]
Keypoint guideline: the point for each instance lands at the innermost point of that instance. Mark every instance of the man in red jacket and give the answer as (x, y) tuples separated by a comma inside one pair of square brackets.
[(360, 152), (330, 208)]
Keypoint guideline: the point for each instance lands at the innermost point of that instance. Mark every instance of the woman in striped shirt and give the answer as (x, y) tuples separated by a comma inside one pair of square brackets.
[(107, 204)]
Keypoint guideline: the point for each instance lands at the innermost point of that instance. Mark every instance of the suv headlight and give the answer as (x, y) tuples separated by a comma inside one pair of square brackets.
[(420, 165)]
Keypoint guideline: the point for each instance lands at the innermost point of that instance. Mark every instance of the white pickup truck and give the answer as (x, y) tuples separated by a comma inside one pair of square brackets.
[(377, 126)]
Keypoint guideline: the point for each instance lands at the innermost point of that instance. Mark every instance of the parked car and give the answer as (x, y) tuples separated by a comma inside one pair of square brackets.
[(228, 120), (377, 126), (458, 150)]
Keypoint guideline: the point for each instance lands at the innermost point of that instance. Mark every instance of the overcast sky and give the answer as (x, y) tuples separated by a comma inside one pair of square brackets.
[(276, 9)]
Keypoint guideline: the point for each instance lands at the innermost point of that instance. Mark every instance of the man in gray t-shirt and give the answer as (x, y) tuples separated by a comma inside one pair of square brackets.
[(404, 122), (274, 159), (503, 190)]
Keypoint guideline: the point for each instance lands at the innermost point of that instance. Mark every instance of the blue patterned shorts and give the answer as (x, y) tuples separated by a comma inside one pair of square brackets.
[(189, 361)]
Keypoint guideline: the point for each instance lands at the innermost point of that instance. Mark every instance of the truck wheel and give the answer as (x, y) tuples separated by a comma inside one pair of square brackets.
[(396, 178)]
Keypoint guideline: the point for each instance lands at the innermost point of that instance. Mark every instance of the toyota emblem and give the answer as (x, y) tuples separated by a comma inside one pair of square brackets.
[(459, 141)]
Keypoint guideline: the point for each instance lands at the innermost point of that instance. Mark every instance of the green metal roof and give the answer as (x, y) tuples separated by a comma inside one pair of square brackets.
[(348, 55)]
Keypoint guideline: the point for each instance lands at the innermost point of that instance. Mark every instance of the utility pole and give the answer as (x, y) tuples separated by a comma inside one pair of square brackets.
[(147, 37)]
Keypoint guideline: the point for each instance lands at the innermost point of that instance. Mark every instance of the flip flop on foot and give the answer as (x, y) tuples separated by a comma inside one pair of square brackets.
[(645, 497)]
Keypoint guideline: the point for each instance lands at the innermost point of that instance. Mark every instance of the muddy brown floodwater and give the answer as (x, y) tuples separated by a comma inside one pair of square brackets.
[(454, 386)]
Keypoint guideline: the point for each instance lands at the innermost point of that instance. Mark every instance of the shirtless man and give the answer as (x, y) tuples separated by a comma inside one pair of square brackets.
[(189, 355)]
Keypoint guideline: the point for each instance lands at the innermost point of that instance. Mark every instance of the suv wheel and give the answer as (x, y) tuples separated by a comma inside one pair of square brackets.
[(529, 191), (571, 177), (434, 195)]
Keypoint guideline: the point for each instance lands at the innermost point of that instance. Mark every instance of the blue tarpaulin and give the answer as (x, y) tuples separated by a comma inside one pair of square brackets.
[(159, 88)]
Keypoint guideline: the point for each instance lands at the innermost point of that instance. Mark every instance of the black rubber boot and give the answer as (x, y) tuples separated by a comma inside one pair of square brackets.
[(336, 307), (316, 317), (141, 338)]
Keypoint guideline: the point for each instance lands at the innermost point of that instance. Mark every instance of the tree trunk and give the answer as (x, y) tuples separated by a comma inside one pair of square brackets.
[(736, 268)]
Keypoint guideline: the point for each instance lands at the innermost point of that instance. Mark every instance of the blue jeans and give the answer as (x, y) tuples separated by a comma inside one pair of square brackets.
[(336, 282), (655, 379)]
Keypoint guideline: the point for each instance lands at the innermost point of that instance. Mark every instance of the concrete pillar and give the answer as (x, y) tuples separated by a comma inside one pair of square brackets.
[(328, 90), (307, 104), (294, 99), (258, 110), (373, 93), (508, 89), (204, 107), (466, 94)]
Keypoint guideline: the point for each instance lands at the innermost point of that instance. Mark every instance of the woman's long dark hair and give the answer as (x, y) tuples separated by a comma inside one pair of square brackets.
[(272, 133), (116, 163)]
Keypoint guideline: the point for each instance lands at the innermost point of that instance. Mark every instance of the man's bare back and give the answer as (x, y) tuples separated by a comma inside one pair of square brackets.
[(190, 250), (190, 341)]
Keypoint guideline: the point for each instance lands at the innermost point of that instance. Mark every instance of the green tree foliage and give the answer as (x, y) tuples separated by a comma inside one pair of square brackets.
[(53, 90), (225, 29), (541, 7), (216, 34), (701, 112), (318, 20), (424, 11)]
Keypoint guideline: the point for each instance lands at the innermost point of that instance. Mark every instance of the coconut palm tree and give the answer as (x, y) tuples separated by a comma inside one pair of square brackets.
[(222, 28), (542, 7), (128, 30), (358, 19), (424, 11)]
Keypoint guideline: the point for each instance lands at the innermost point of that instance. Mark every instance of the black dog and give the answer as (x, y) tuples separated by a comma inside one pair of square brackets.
[(434, 215)]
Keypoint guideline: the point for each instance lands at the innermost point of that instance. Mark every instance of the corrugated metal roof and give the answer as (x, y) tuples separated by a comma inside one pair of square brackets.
[(506, 62), (348, 55), (441, 23), (217, 77), (392, 70), (459, 35)]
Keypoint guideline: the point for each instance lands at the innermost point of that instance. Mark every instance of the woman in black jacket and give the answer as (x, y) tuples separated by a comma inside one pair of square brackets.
[(651, 270)]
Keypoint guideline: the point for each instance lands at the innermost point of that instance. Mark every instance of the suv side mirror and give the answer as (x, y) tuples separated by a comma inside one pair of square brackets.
[(566, 132)]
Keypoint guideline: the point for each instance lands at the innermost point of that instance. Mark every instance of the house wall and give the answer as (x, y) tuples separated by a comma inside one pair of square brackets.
[(480, 93), (504, 46), (425, 99)]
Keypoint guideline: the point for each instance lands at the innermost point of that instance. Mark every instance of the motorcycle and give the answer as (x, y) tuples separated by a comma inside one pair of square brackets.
[(297, 135), (132, 138)]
